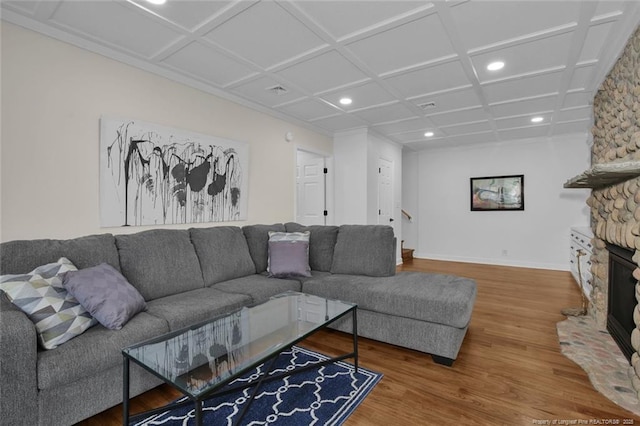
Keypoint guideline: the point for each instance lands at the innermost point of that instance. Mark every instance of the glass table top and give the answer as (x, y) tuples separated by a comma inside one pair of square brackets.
[(202, 357)]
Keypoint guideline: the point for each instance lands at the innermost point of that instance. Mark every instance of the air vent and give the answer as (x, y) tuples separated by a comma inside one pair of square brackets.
[(427, 105), (277, 90)]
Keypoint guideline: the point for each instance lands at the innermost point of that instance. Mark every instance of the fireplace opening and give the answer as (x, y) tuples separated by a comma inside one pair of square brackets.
[(622, 300)]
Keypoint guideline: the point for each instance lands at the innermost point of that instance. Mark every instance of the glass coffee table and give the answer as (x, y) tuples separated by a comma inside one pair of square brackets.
[(200, 360)]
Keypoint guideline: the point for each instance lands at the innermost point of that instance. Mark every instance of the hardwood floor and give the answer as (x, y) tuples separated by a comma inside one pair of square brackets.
[(509, 371)]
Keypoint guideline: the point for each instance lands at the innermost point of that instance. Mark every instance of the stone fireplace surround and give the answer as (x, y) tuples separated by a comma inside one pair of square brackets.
[(615, 208)]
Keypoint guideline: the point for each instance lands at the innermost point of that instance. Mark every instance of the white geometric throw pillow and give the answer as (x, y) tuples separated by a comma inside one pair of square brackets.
[(57, 315)]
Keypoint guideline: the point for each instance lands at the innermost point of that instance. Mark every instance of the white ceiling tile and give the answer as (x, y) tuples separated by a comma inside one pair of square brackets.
[(340, 17), (580, 113), (323, 72), (25, 6), (481, 137), (265, 34), (482, 23), (461, 129), (524, 106), (204, 62), (606, 7), (574, 99), (428, 80), (524, 133), (524, 87), (581, 78), (188, 14), (447, 101), (461, 116), (385, 113), (115, 24), (362, 95), (403, 46), (418, 135), (404, 126), (596, 36), (579, 126), (524, 58), (257, 90), (340, 122), (521, 121), (308, 109)]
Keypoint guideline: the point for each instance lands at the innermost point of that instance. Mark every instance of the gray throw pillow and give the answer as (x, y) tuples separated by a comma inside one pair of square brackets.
[(106, 294), (289, 254)]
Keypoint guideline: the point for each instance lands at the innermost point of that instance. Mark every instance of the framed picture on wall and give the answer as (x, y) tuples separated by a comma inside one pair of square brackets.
[(493, 193)]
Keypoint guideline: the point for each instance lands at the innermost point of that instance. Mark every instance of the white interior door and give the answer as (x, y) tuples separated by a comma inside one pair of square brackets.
[(385, 192), (311, 189)]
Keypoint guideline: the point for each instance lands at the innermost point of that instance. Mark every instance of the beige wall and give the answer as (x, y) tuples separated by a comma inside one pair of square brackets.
[(53, 95)]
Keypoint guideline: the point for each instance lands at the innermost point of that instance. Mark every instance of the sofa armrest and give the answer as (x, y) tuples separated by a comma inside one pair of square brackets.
[(18, 366)]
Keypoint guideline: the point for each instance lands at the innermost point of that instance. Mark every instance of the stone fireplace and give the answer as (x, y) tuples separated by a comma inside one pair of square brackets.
[(615, 205)]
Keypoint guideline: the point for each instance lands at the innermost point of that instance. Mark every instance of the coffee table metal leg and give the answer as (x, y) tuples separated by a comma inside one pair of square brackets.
[(125, 391), (198, 413), (355, 339)]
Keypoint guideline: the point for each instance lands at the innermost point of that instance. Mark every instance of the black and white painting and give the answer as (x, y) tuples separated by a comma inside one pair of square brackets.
[(156, 175)]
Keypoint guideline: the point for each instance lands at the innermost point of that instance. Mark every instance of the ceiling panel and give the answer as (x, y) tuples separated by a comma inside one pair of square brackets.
[(365, 95), (204, 62), (188, 14), (340, 18), (525, 58), (429, 80), (524, 106), (258, 91), (391, 57), (458, 99), (403, 46), (482, 23), (312, 74), (114, 23), (274, 35), (526, 87)]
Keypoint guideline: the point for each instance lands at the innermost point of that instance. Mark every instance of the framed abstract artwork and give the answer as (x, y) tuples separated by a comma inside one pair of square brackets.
[(493, 193), (156, 175)]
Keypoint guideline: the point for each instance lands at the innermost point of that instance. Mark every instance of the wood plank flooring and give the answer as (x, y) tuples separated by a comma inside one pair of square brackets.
[(509, 371)]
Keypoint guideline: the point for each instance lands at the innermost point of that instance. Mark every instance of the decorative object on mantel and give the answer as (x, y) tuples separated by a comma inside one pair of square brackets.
[(497, 193), (156, 175), (601, 175)]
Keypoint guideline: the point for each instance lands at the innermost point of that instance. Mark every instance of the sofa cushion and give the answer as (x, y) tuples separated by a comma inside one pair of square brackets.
[(259, 287), (97, 349), (365, 250), (258, 241), (56, 314), (223, 253), (322, 242), (106, 294), (437, 298), (192, 307), (288, 254), (21, 256), (160, 262)]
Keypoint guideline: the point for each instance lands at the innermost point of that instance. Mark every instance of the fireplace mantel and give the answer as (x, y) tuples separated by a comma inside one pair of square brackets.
[(602, 175)]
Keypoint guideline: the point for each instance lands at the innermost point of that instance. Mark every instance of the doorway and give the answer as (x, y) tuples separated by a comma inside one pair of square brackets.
[(385, 192), (311, 188)]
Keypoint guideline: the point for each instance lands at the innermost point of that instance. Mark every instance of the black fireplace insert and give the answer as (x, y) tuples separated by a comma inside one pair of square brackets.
[(622, 300)]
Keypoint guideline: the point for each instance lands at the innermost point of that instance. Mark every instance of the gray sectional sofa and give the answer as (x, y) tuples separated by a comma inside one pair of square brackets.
[(187, 276)]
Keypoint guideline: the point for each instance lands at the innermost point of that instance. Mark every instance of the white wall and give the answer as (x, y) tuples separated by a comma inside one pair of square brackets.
[(53, 95), (350, 163), (536, 237), (410, 198)]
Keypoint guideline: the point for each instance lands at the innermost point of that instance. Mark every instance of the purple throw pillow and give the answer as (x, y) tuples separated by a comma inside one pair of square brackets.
[(106, 294), (289, 254)]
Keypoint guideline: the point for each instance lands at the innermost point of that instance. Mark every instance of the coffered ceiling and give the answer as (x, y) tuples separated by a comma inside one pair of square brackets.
[(410, 67)]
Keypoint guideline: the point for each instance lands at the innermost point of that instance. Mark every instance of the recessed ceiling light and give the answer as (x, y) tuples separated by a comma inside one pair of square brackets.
[(495, 66), (346, 101), (537, 119), (157, 1), (428, 134)]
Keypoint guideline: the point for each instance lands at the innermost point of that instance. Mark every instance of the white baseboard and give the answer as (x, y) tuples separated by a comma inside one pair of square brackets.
[(489, 261)]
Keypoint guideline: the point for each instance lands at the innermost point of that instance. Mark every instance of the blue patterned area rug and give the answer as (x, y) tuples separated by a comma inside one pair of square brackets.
[(323, 396)]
